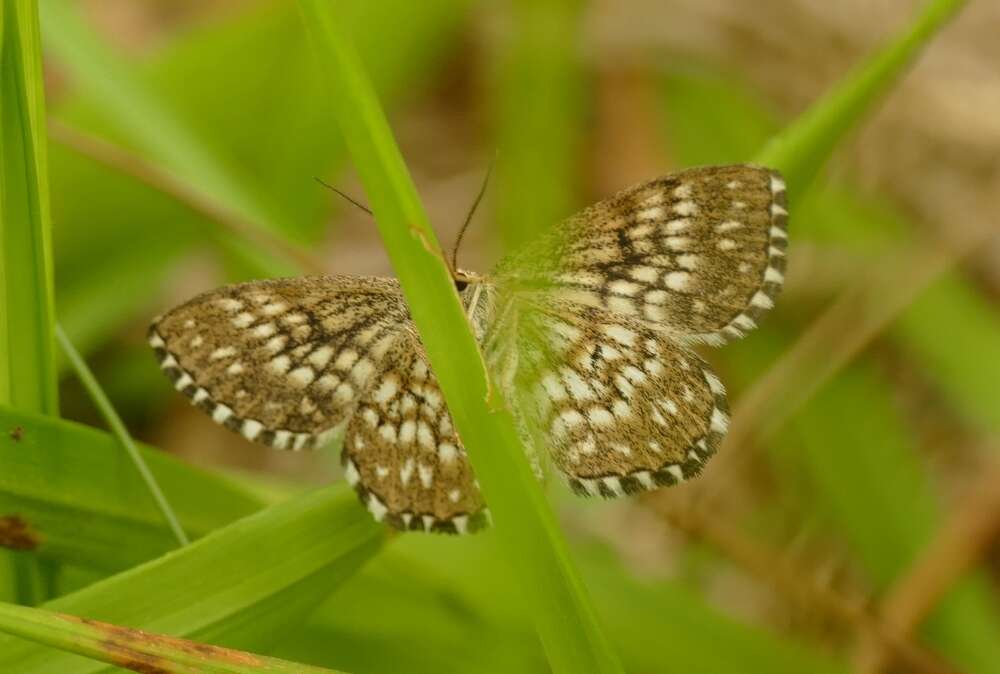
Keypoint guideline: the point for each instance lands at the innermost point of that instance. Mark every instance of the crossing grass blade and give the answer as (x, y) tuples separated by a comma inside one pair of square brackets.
[(240, 587), (112, 418), (137, 650), (555, 596), (74, 494)]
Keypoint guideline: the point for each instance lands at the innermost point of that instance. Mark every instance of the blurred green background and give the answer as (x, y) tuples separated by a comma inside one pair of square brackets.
[(851, 522)]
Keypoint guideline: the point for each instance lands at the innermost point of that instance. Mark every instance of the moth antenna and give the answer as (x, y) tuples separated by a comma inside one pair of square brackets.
[(468, 218), (345, 196)]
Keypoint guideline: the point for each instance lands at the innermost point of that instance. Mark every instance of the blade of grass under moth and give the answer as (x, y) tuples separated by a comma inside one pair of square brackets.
[(238, 587), (137, 650), (553, 592), (69, 494)]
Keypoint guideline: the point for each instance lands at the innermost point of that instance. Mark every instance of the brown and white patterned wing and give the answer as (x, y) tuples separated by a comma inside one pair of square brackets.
[(624, 407), (700, 253), (282, 362), (402, 454)]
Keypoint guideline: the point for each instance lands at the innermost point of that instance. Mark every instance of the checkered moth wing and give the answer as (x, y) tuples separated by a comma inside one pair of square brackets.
[(623, 407), (700, 253), (607, 305), (289, 362)]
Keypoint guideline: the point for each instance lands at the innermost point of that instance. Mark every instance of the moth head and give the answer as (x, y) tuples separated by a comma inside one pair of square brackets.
[(464, 278)]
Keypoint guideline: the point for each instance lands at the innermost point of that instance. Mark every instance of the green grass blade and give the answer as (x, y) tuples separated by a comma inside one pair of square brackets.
[(27, 347), (111, 417), (540, 121), (73, 494), (554, 594), (800, 151), (137, 650), (28, 374), (238, 587)]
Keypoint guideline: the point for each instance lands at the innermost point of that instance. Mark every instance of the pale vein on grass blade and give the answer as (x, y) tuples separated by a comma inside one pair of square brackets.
[(554, 593)]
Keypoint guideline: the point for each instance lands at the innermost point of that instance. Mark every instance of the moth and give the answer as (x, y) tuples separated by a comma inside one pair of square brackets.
[(589, 330)]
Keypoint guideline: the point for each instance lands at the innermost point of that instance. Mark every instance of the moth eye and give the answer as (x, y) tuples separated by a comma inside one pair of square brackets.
[(461, 284)]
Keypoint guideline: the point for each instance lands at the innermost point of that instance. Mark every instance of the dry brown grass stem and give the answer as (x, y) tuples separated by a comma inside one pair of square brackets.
[(161, 179), (958, 545), (792, 582)]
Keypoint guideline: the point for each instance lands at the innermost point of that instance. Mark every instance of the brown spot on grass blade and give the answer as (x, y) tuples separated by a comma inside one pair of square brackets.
[(137, 662), (143, 651), (15, 533), (16, 433)]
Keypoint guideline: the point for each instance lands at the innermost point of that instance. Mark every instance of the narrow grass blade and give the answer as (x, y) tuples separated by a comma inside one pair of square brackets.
[(800, 151), (553, 592), (135, 649), (27, 346), (69, 494), (539, 127), (28, 374), (239, 587), (111, 417)]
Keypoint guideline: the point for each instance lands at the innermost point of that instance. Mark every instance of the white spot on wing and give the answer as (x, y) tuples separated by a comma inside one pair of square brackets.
[(264, 330), (406, 471), (280, 364), (644, 274), (376, 507), (600, 416), (761, 300), (720, 421), (426, 475), (243, 320), (351, 473), (302, 376), (677, 280), (685, 208), (620, 334), (222, 352), (675, 226), (221, 413), (447, 452)]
